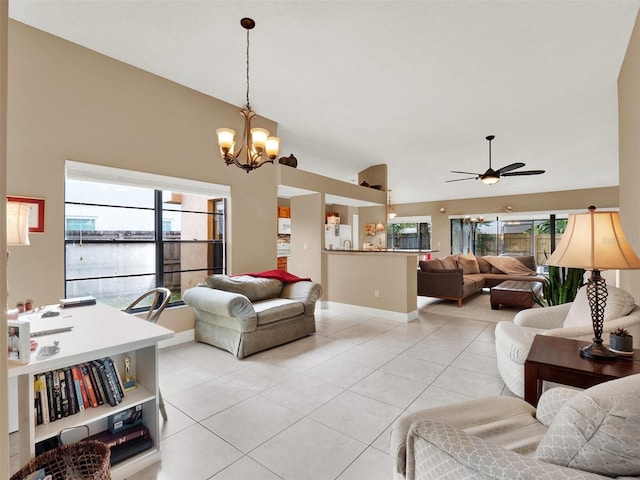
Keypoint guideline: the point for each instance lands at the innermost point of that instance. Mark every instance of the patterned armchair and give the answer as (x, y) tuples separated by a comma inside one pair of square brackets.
[(593, 434)]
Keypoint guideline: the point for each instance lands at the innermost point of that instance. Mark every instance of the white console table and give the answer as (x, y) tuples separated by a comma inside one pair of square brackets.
[(98, 331)]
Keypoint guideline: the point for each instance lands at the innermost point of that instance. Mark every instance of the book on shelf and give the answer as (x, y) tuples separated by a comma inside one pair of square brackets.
[(83, 399), (120, 453), (50, 399), (77, 301), (97, 385), (108, 390), (89, 386), (108, 363), (128, 435), (37, 403), (71, 391), (57, 395), (40, 382), (63, 392), (111, 378)]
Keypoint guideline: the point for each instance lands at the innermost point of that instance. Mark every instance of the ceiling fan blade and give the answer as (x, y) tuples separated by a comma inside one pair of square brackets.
[(466, 173), (526, 172), (460, 179), (508, 168)]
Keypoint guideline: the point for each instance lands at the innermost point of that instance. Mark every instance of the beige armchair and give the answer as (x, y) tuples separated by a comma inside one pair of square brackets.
[(590, 434), (571, 320)]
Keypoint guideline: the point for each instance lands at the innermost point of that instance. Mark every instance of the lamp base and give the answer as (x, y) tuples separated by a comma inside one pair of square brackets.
[(598, 351)]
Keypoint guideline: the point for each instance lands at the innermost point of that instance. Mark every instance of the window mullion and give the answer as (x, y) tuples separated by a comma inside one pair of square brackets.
[(159, 238)]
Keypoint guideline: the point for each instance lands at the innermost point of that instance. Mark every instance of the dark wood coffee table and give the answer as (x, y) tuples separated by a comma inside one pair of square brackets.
[(558, 360), (514, 293)]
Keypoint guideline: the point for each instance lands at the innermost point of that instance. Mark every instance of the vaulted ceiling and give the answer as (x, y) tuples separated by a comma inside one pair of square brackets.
[(417, 85)]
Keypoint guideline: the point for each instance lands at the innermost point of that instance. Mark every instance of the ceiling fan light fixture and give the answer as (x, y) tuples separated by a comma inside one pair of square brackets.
[(490, 178)]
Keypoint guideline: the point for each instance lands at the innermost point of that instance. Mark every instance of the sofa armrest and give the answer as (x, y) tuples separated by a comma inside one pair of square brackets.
[(303, 291), (440, 283), (438, 451), (551, 402), (544, 318), (219, 302)]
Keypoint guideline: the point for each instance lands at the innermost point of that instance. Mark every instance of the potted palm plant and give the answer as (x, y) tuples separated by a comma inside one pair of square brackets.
[(621, 341)]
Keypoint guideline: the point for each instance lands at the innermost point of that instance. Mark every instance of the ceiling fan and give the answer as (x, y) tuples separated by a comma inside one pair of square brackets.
[(492, 176)]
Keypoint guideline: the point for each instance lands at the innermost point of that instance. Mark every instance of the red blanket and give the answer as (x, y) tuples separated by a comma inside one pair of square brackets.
[(281, 275)]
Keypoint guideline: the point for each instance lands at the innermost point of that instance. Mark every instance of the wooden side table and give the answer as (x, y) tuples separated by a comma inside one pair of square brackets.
[(558, 360)]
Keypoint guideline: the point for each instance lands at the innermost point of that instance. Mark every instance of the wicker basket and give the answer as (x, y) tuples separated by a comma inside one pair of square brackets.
[(86, 460)]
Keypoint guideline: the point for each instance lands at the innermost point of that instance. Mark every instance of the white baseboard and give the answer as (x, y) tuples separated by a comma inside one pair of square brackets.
[(374, 312), (178, 338)]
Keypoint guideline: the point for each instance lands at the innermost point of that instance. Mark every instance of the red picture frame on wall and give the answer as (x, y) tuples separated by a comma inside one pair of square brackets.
[(36, 212)]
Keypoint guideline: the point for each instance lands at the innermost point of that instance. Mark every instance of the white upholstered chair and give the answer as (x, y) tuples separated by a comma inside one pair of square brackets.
[(590, 434), (570, 320)]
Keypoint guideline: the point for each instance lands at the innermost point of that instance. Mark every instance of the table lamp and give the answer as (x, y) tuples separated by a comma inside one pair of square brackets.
[(17, 227), (595, 241)]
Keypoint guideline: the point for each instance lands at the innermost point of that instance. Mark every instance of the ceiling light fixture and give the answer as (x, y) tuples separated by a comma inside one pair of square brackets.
[(390, 211), (259, 148)]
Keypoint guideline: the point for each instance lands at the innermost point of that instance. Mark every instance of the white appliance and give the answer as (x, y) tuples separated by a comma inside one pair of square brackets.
[(337, 237), (284, 226)]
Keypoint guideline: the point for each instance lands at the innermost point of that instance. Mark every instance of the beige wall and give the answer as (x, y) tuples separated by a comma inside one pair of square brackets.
[(4, 404), (629, 126), (307, 214), (67, 102)]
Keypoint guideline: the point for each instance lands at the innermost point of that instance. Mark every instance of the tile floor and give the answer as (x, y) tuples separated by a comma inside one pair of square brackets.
[(319, 408)]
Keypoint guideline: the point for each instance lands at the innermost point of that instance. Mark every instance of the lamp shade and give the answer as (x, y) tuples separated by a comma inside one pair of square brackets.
[(595, 241), (17, 223), (379, 228)]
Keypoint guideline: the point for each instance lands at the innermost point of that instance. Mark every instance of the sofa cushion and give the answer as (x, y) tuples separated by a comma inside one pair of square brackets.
[(483, 265), (449, 262), (619, 304), (597, 430), (255, 289), (275, 309), (468, 264), (528, 261), (429, 265), (510, 265)]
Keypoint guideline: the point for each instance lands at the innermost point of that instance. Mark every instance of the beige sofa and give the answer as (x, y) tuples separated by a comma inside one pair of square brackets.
[(457, 277), (590, 434), (246, 314)]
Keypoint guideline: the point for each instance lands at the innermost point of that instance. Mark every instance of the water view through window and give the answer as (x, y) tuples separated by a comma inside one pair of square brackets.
[(121, 241)]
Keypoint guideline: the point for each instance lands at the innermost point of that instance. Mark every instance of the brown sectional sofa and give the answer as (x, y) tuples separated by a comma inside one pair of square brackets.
[(457, 277)]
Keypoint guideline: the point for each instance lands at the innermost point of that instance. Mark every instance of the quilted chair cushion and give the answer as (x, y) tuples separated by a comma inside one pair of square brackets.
[(254, 288), (619, 304), (597, 430)]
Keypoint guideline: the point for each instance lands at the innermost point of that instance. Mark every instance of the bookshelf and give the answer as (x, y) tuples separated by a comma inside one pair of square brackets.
[(98, 331)]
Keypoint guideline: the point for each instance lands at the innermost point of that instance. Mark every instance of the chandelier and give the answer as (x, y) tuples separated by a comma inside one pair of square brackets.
[(258, 147), (390, 211)]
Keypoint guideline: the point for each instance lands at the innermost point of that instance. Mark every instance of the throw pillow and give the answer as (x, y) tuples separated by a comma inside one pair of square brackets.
[(449, 262), (597, 430), (483, 265), (619, 304), (468, 264), (255, 289), (429, 265)]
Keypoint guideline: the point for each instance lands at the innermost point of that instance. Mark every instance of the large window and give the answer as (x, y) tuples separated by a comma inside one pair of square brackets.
[(507, 237), (122, 240), (409, 234)]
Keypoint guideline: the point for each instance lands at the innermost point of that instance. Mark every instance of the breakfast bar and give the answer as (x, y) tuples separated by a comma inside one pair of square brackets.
[(379, 282)]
